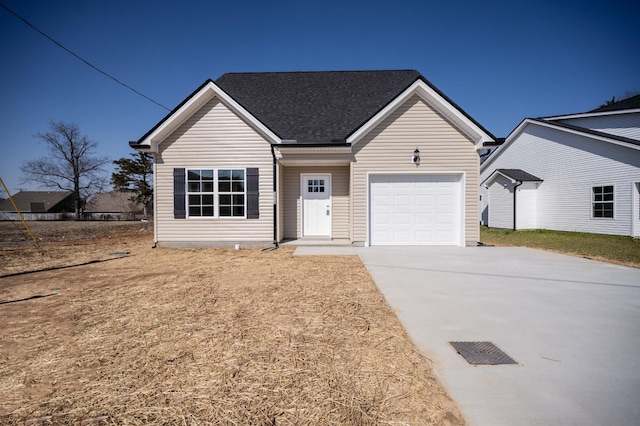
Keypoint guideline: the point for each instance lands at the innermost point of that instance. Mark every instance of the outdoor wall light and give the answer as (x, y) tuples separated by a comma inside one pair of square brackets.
[(416, 157)]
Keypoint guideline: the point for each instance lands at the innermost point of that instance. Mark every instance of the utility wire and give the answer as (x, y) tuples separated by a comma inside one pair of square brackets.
[(82, 59)]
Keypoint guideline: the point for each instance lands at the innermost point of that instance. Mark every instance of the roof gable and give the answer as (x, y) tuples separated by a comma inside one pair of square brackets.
[(207, 91), (439, 102), (314, 107), (562, 127)]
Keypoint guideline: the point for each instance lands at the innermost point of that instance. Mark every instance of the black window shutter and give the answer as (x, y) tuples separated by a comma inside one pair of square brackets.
[(253, 209), (179, 187)]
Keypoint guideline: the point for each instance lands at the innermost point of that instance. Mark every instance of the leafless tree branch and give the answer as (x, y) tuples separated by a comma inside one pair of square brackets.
[(71, 164)]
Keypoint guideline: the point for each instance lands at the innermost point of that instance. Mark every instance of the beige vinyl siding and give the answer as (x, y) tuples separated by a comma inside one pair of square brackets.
[(214, 137), (291, 207), (389, 148)]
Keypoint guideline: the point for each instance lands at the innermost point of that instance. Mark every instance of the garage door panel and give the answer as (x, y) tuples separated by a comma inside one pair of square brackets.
[(423, 218), (423, 200), (401, 200), (444, 200), (401, 235), (444, 219), (415, 209), (402, 219), (381, 219), (381, 199), (423, 236)]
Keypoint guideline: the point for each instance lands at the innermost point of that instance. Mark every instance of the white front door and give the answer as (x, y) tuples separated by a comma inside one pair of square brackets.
[(316, 205)]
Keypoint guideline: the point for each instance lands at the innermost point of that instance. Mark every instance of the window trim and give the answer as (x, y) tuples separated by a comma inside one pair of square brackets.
[(594, 202), (216, 193)]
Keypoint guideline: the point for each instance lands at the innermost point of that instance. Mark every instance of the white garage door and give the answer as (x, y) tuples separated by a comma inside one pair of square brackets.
[(415, 209)]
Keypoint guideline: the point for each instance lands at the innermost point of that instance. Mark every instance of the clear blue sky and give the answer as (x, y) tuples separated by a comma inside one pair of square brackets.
[(501, 61)]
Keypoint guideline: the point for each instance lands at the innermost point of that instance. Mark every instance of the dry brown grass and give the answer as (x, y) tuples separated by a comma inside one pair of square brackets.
[(207, 336)]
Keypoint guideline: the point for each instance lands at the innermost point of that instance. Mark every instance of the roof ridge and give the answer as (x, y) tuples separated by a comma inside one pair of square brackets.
[(587, 130), (320, 71)]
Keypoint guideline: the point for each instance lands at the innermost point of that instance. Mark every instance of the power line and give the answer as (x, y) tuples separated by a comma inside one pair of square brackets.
[(82, 59)]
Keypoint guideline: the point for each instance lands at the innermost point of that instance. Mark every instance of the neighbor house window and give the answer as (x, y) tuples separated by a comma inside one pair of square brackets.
[(602, 201), (216, 192)]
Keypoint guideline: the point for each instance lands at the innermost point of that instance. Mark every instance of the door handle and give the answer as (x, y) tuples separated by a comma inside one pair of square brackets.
[(328, 211)]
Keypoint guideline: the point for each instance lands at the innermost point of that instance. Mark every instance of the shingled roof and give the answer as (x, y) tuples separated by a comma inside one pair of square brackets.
[(309, 107), (520, 175), (315, 107), (629, 103), (40, 201)]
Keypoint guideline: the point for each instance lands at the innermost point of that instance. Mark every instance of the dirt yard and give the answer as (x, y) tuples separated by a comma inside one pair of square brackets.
[(108, 330)]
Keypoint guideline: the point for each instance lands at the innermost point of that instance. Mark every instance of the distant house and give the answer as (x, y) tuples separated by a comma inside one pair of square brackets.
[(114, 205), (38, 205), (577, 172), (369, 157)]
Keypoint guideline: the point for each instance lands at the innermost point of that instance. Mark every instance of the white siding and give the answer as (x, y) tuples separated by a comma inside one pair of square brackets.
[(389, 148), (501, 207), (484, 205), (635, 210), (570, 166), (500, 213), (526, 206), (214, 137), (627, 125)]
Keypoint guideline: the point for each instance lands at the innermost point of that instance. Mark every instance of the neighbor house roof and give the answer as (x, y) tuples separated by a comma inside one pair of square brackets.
[(320, 107), (110, 202), (629, 103), (39, 201), (591, 132), (564, 127), (518, 175)]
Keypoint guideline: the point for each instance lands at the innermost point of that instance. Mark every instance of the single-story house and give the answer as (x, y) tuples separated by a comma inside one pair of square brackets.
[(577, 172), (38, 205), (113, 205), (370, 157)]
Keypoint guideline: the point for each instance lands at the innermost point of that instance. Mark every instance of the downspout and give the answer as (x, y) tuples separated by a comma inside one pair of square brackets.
[(155, 207), (514, 202), (275, 198)]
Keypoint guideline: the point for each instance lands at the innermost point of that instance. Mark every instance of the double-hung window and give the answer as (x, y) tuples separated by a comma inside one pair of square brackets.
[(200, 194), (602, 201), (231, 192), (216, 192)]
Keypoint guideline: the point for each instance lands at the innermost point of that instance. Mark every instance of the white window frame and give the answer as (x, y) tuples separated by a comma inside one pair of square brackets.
[(216, 193), (594, 202)]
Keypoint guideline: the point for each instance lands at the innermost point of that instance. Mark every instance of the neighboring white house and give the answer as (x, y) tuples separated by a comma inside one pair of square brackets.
[(578, 172), (371, 157)]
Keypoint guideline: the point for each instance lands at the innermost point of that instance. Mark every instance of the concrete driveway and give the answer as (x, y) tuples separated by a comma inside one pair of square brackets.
[(572, 324)]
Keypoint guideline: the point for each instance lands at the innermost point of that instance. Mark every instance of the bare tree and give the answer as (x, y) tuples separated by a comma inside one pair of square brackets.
[(71, 164)]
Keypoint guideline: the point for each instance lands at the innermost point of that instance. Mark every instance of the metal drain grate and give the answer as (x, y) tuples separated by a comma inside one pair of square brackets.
[(482, 353)]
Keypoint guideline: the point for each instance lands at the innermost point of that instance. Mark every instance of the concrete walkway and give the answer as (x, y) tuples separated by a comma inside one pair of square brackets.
[(572, 324)]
